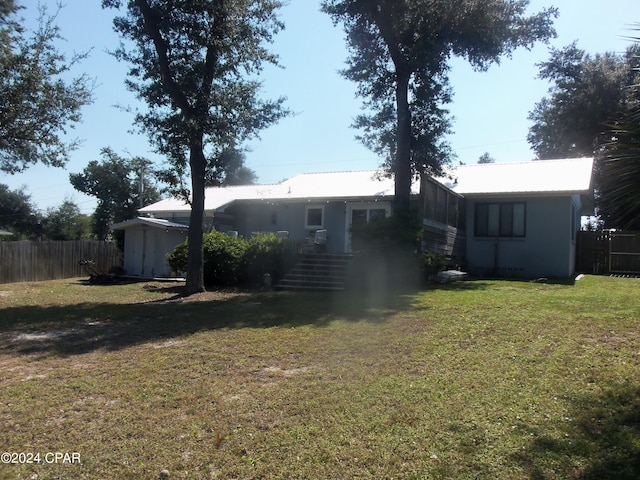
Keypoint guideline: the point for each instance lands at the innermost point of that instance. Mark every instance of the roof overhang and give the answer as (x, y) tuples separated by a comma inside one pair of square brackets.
[(149, 222)]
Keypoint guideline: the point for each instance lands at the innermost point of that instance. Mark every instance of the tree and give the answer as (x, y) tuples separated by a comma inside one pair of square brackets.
[(232, 170), (227, 169), (486, 158), (195, 63), (37, 103), (586, 93), (66, 222), (18, 214), (399, 51), (619, 163), (619, 185), (115, 182)]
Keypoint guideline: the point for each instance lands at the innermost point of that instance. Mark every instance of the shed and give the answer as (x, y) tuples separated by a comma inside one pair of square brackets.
[(146, 244)]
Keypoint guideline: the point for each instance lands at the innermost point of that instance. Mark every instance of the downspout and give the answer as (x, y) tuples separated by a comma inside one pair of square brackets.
[(495, 257)]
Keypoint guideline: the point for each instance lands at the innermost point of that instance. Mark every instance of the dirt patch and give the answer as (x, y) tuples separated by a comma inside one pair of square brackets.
[(38, 337), (290, 372), (167, 344)]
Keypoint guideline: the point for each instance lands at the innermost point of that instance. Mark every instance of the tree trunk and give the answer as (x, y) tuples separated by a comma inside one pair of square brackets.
[(402, 163), (198, 163)]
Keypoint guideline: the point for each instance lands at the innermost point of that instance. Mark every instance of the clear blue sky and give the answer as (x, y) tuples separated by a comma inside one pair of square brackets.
[(490, 108)]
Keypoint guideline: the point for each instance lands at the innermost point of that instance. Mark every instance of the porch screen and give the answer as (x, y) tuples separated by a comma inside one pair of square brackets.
[(442, 206)]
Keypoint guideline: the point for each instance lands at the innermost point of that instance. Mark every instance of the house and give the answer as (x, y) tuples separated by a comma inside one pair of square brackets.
[(297, 207), (508, 219), (518, 219)]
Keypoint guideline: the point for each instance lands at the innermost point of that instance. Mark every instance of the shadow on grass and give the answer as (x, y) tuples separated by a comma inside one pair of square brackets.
[(460, 285), (600, 441), (85, 327)]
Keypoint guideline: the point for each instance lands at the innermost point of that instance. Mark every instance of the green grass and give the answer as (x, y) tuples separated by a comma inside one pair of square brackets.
[(477, 380)]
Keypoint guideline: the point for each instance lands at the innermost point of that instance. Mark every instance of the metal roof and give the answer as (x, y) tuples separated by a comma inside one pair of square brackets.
[(327, 185), (151, 222), (571, 175)]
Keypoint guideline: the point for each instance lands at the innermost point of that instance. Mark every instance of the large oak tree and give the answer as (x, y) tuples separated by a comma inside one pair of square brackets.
[(587, 92), (39, 102), (195, 63), (399, 54)]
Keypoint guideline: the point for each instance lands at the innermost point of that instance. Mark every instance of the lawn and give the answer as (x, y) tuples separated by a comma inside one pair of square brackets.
[(476, 380)]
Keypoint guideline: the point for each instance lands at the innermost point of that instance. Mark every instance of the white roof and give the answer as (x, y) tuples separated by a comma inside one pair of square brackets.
[(328, 185), (215, 198), (572, 175), (151, 222)]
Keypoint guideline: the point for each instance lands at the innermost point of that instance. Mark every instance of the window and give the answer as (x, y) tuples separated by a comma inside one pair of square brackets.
[(366, 214), (500, 220), (314, 217)]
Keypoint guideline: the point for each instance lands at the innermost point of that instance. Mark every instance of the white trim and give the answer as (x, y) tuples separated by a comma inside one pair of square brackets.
[(306, 217)]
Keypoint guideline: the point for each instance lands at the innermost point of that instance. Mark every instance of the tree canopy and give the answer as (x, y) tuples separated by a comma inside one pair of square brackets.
[(196, 64), (66, 222), (38, 104), (399, 53), (486, 158), (587, 92), (115, 182), (18, 214)]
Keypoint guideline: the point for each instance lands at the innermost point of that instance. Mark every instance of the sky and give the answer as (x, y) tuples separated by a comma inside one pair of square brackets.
[(489, 109)]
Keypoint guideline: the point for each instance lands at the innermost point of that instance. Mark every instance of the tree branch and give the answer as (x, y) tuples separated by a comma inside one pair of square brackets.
[(152, 28)]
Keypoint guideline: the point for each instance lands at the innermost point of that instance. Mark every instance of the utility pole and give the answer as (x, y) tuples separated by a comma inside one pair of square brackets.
[(141, 186)]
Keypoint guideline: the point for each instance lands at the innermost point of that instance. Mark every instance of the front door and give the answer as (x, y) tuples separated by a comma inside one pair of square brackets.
[(359, 213)]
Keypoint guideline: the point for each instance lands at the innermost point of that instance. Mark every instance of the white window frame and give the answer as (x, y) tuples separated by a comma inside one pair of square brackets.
[(306, 217)]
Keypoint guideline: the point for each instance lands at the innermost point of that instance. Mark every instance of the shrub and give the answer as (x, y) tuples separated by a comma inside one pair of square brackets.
[(432, 263), (266, 253), (233, 261), (177, 259), (399, 231), (386, 253), (224, 259)]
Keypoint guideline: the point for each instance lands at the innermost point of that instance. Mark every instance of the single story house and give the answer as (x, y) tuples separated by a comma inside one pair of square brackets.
[(297, 207), (511, 219), (507, 219)]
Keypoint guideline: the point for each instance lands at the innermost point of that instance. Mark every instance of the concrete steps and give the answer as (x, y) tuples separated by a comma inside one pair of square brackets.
[(317, 272)]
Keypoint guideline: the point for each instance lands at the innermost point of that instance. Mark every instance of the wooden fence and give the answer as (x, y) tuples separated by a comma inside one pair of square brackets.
[(608, 252), (27, 261)]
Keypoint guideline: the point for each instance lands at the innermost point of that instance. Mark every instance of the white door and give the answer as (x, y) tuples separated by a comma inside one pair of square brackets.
[(359, 213)]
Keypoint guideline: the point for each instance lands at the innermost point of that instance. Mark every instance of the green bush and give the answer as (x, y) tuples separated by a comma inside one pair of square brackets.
[(177, 259), (432, 263), (386, 253), (235, 261), (266, 253), (224, 259), (401, 231)]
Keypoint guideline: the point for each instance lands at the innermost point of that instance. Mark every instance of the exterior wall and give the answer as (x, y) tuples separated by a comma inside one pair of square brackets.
[(546, 250), (290, 216), (145, 250)]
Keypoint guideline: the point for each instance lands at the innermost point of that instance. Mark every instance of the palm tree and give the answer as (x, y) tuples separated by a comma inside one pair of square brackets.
[(619, 169), (620, 174)]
